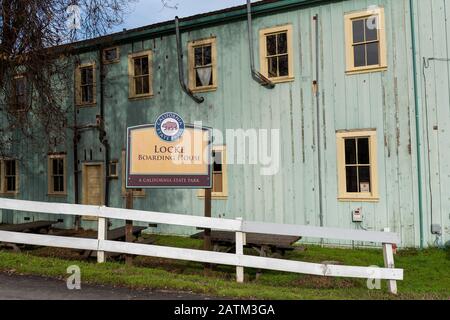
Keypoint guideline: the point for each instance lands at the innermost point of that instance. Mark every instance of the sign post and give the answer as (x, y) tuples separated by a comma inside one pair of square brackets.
[(129, 226)]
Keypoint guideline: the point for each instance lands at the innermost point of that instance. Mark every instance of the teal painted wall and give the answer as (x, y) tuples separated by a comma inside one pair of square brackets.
[(381, 100)]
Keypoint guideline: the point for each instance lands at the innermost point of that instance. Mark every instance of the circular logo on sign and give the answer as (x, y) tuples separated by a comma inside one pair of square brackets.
[(169, 126)]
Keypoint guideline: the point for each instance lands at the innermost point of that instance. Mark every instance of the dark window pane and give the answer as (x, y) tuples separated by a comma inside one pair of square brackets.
[(271, 45), (282, 43), (111, 54), (198, 56), (145, 85), (364, 179), (363, 151), (198, 82), (272, 67), (54, 166), (283, 66), (138, 85), (144, 65), (350, 151), (61, 183), (83, 76), (372, 29), (360, 55), (10, 167), (358, 31), (56, 185), (207, 59), (373, 54), (11, 184), (217, 156), (89, 75), (137, 67), (352, 179)]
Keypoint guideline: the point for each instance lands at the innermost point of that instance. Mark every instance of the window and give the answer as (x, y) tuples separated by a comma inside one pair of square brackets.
[(202, 65), (113, 169), (140, 73), (276, 56), (137, 192), (357, 165), (219, 174), (111, 55), (365, 41), (57, 174), (86, 85), (20, 91), (9, 176)]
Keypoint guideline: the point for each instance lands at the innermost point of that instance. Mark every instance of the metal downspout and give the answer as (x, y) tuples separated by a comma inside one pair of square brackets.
[(316, 88), (418, 140), (258, 77), (76, 139), (180, 65)]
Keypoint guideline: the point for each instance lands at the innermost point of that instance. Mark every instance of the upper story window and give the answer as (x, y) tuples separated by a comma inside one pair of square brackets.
[(202, 65), (111, 55), (276, 53), (86, 84), (20, 91), (57, 175), (357, 165), (365, 41), (9, 173), (140, 73)]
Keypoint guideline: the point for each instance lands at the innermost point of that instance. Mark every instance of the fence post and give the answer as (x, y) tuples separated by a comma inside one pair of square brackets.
[(388, 255), (240, 242), (102, 230)]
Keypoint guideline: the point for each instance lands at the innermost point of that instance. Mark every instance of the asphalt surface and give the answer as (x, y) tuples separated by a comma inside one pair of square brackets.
[(15, 287)]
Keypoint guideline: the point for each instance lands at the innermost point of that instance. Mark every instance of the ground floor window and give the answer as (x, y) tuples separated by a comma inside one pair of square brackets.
[(9, 171), (357, 165), (57, 174)]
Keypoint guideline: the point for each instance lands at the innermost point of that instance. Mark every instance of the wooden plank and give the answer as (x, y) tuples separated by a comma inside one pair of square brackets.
[(48, 241), (389, 263), (28, 226), (48, 207), (256, 239), (320, 232), (204, 222), (240, 242), (102, 235), (249, 261)]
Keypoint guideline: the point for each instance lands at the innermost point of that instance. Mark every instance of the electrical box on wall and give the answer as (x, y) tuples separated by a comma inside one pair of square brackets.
[(357, 215)]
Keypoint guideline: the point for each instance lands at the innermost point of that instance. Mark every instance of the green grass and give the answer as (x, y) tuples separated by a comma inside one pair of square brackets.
[(426, 273)]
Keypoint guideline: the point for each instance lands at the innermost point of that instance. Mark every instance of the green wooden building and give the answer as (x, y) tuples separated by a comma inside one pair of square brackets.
[(359, 90)]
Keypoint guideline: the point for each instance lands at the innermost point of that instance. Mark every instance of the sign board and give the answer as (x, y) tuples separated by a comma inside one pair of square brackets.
[(168, 154)]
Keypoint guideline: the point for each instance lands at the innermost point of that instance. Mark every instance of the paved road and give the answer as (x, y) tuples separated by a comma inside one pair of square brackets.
[(13, 287)]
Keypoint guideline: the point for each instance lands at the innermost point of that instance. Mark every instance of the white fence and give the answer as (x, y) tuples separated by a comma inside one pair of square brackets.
[(240, 227)]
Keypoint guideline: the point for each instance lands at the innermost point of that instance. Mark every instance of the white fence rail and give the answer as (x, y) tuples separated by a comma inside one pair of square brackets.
[(240, 227)]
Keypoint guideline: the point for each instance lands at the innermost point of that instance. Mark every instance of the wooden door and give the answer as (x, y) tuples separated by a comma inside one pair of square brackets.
[(93, 182)]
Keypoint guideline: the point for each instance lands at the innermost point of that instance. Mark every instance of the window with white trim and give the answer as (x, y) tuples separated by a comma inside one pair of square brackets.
[(57, 174), (9, 169), (357, 165), (365, 41), (140, 74)]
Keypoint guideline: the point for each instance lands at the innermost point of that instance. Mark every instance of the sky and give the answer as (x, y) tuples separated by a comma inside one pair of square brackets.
[(145, 12)]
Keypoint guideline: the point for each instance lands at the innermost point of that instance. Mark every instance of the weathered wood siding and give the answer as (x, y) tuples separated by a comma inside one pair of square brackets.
[(381, 100)]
